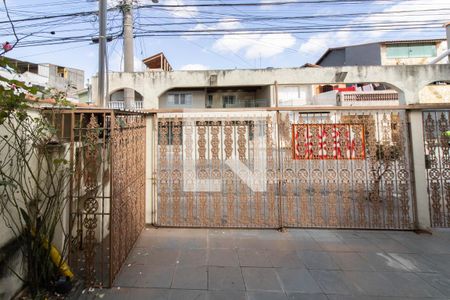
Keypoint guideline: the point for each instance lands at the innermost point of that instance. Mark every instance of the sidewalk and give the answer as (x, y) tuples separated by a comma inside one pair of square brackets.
[(297, 264)]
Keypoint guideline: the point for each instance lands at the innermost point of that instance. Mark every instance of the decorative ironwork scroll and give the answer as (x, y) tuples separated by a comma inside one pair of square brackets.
[(328, 141), (437, 156), (335, 169), (107, 191)]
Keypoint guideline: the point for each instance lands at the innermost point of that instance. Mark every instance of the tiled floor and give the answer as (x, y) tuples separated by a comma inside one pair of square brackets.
[(297, 264)]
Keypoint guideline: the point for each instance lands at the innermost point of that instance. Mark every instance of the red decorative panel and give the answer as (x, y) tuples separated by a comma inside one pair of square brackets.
[(328, 141)]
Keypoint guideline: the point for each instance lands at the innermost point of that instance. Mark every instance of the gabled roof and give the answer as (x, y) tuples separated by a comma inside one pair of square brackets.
[(381, 43), (157, 62)]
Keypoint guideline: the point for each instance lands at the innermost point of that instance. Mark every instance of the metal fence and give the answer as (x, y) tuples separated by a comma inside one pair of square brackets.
[(437, 163), (270, 169), (107, 191)]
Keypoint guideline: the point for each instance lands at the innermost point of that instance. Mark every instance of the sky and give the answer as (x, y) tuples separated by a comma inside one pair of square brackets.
[(226, 35)]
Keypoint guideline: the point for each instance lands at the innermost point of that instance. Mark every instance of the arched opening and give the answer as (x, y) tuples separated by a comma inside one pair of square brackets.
[(117, 100)]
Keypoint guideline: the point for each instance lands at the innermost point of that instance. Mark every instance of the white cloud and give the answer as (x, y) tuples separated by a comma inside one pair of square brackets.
[(182, 12), (194, 67), (255, 45), (265, 7)]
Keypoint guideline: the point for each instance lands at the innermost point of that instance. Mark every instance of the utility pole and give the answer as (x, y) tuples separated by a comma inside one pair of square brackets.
[(101, 52), (447, 30), (128, 49)]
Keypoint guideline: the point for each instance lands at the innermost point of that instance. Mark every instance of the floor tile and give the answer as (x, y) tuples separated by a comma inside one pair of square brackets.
[(338, 246), (333, 282), (193, 257), (265, 295), (221, 243), (249, 243), (178, 294), (317, 260), (411, 285), (351, 261), (361, 245), (288, 259), (261, 279), (301, 296), (190, 278), (163, 257), (132, 293), (223, 257), (298, 280), (439, 281), (253, 258), (226, 295), (225, 278), (382, 261)]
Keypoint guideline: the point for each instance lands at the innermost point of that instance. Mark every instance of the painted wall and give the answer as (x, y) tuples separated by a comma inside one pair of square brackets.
[(435, 94), (198, 99), (295, 95), (408, 80)]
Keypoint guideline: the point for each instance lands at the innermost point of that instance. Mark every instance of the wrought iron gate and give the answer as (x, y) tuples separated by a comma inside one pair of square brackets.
[(284, 169), (437, 158), (107, 207)]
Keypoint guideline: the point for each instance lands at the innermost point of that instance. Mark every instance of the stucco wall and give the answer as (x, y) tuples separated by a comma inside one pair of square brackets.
[(407, 80), (435, 94), (198, 99)]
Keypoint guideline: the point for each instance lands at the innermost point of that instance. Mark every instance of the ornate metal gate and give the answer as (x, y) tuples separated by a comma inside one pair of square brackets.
[(284, 169), (437, 158), (107, 207)]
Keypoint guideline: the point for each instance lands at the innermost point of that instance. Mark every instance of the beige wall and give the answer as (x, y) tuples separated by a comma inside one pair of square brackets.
[(407, 80), (435, 94), (198, 99)]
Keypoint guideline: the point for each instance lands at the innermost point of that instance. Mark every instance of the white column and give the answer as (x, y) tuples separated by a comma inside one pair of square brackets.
[(418, 160)]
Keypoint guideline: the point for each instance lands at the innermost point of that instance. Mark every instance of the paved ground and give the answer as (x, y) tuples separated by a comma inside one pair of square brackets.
[(298, 264)]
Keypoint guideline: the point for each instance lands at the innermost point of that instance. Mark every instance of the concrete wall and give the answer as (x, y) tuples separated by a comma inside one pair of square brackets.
[(435, 94), (73, 80), (198, 99), (407, 80), (286, 95)]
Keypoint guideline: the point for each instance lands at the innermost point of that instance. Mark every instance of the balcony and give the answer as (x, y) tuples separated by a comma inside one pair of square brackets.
[(375, 98), (138, 105)]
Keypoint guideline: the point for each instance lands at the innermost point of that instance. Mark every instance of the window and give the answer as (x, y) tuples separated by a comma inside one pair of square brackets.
[(228, 100), (411, 50), (180, 99), (61, 71), (209, 102)]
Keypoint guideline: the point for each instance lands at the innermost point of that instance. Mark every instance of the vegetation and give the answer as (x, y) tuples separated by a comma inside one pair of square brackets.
[(34, 177)]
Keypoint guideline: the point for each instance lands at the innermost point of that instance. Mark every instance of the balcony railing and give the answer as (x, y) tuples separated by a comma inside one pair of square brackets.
[(249, 103), (138, 105), (368, 98)]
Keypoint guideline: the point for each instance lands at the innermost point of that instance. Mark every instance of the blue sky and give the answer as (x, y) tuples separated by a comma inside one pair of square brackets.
[(422, 19)]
